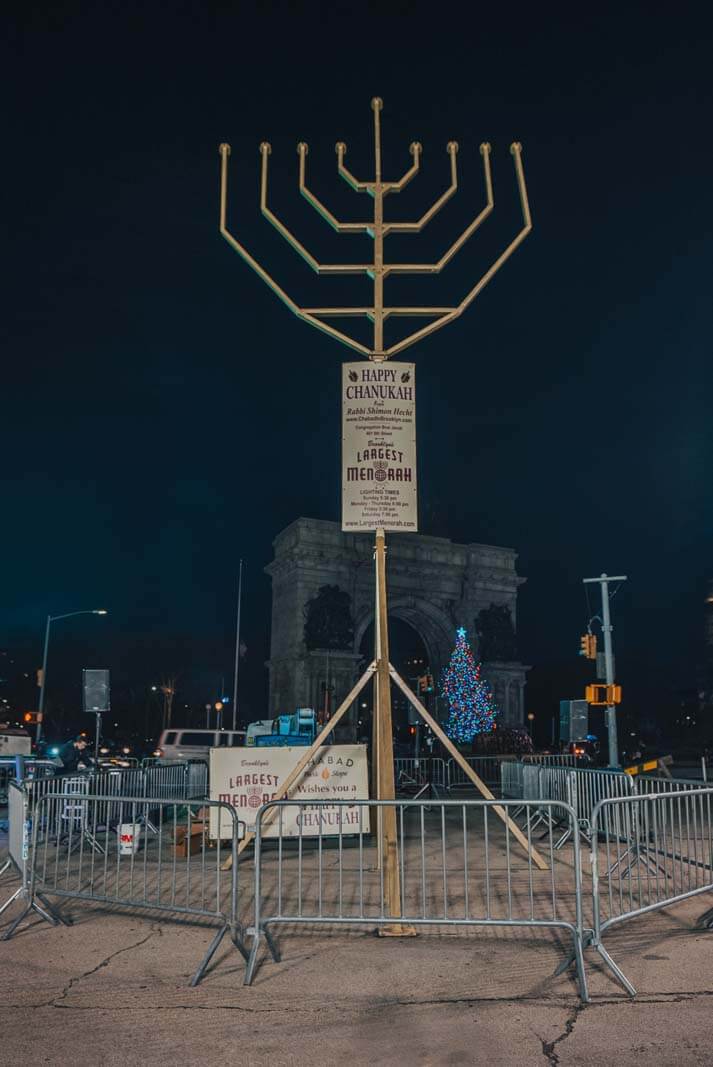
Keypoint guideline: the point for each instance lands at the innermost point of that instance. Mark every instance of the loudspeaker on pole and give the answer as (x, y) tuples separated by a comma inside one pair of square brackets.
[(95, 691)]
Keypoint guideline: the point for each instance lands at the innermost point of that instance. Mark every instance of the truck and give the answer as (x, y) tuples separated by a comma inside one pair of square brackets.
[(14, 741), (299, 728)]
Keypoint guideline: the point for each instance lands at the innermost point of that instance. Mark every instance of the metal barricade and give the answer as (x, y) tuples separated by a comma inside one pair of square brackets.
[(551, 759), (119, 782), (645, 785), (556, 785), (166, 780), (412, 772), (458, 865), (511, 780), (530, 782), (34, 768), (591, 786), (176, 870), (19, 830), (197, 780), (648, 851), (486, 767), (580, 788)]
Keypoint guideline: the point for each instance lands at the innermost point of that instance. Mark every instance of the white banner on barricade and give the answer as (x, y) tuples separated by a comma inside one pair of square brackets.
[(249, 778)]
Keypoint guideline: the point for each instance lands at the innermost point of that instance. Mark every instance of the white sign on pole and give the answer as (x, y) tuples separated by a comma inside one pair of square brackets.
[(379, 446), (248, 778)]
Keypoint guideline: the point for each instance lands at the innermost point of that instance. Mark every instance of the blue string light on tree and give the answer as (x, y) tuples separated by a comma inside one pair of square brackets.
[(471, 706)]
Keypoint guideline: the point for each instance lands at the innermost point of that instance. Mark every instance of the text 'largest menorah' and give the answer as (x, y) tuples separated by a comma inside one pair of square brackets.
[(378, 270)]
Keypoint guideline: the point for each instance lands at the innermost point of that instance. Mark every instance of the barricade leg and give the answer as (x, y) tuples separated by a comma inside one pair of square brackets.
[(10, 900), (706, 920), (212, 948), (579, 961), (66, 920), (50, 915), (237, 940), (619, 974), (258, 935)]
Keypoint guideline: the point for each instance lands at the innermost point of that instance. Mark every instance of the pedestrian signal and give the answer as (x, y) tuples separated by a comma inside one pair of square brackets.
[(31, 718)]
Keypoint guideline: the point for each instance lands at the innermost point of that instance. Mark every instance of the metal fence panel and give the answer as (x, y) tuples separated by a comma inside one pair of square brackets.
[(511, 780), (17, 826), (458, 865), (648, 851), (552, 759), (486, 767), (138, 852), (411, 772)]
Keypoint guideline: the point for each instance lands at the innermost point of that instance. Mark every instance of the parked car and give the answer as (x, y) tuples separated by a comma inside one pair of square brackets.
[(196, 744)]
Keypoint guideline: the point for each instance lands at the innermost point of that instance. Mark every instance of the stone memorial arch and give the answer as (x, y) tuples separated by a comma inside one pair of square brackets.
[(323, 602)]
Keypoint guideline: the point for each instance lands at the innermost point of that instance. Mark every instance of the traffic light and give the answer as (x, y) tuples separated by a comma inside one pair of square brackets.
[(588, 646), (31, 718), (603, 695), (412, 731)]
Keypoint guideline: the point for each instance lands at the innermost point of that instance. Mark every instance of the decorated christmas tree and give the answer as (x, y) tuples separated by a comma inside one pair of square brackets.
[(471, 705)]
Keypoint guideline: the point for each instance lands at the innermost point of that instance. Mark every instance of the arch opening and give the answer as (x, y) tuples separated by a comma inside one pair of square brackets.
[(409, 654)]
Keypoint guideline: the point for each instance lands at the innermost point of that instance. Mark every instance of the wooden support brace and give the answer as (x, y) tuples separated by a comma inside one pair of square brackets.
[(304, 760), (467, 769)]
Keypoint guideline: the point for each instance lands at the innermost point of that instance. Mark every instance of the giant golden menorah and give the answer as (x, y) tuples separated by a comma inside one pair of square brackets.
[(378, 270)]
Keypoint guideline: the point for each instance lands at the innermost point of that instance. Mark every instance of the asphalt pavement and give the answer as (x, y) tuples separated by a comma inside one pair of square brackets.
[(113, 989)]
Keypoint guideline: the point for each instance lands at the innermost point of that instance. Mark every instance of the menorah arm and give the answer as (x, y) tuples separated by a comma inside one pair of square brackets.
[(360, 187), (388, 312), (340, 227), (395, 187), (305, 316), (436, 268), (416, 227), (516, 150), (318, 268)]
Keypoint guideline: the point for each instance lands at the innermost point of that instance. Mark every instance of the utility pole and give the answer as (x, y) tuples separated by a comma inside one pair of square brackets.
[(607, 628), (237, 648)]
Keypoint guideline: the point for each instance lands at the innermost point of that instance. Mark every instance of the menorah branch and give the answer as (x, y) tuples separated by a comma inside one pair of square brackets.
[(263, 274), (318, 268), (406, 342), (416, 227), (340, 227), (359, 187), (395, 187), (436, 268)]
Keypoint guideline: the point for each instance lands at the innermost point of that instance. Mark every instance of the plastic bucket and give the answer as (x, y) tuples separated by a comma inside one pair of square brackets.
[(129, 835)]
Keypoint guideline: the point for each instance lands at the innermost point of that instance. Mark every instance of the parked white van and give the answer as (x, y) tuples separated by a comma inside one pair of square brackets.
[(196, 744)]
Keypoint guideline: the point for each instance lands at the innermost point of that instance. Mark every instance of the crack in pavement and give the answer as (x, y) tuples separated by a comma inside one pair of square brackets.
[(53, 1002), (548, 1047)]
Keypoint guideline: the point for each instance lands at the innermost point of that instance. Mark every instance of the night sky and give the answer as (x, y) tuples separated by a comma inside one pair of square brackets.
[(163, 415)]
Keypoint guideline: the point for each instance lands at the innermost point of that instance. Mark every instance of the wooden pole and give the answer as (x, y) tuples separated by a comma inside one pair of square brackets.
[(386, 787), (468, 770)]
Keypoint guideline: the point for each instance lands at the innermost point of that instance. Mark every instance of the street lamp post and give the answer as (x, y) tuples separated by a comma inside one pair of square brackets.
[(43, 685)]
